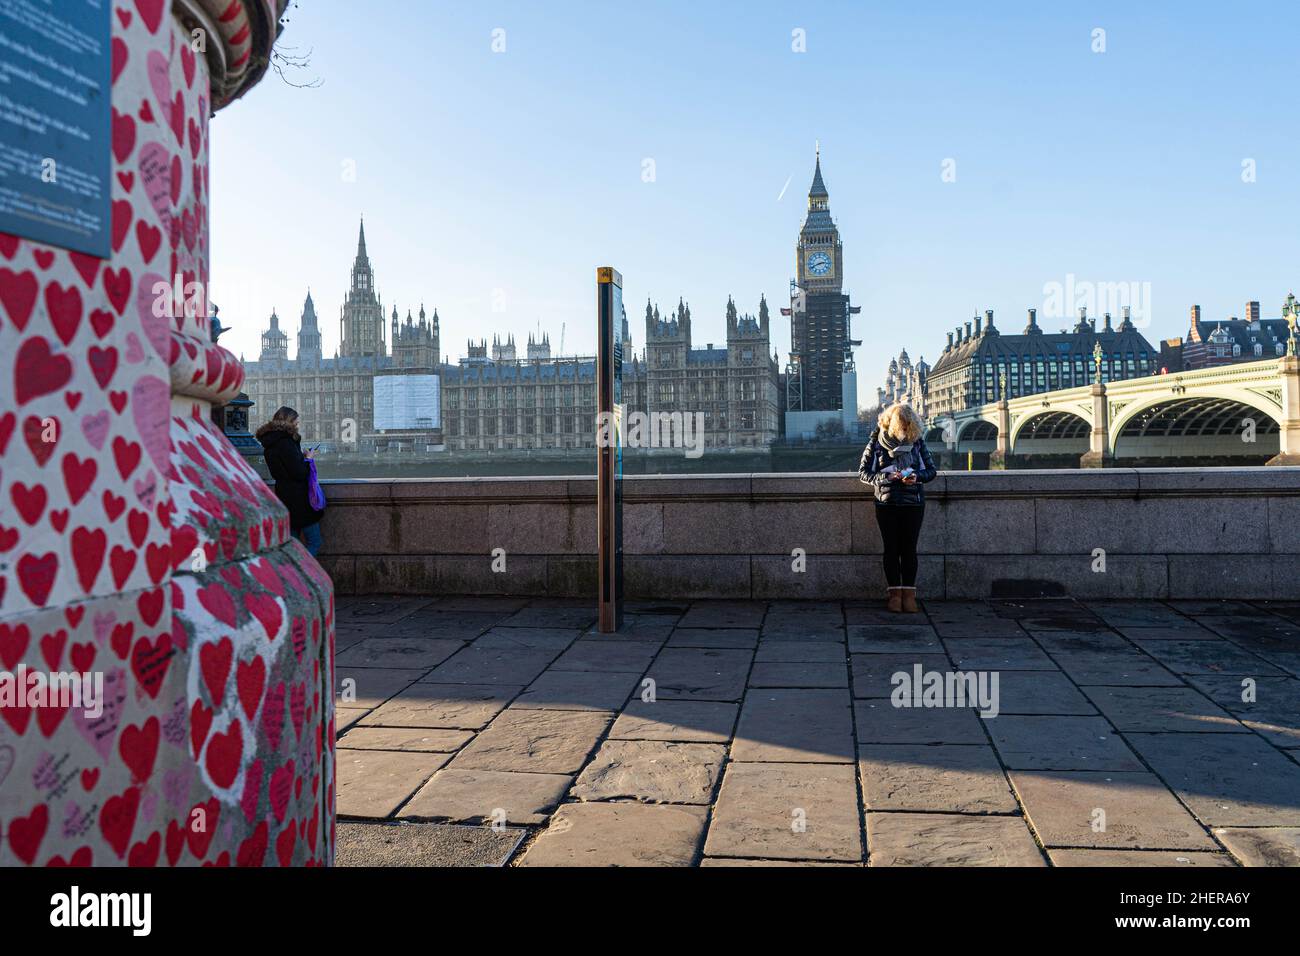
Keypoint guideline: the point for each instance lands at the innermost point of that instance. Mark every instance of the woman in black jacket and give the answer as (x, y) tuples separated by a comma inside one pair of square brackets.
[(282, 448), (897, 465)]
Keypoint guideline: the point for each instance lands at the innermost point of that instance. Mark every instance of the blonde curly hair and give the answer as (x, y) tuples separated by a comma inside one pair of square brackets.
[(900, 422)]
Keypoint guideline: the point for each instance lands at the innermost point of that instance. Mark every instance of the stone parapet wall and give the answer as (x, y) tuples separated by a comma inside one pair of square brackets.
[(1158, 533)]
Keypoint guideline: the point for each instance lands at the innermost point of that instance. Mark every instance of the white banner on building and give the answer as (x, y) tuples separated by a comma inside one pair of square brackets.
[(406, 402)]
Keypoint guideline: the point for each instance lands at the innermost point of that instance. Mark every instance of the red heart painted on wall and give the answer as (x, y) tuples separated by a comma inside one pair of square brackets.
[(42, 436), (224, 752), (150, 661), (250, 679), (36, 574), (18, 295), (150, 13), (138, 746), (30, 501), (78, 475), (26, 833), (88, 547), (214, 664), (123, 136), (117, 819), (37, 371)]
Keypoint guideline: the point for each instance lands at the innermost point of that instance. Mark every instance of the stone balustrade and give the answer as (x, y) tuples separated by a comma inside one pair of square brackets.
[(1113, 533)]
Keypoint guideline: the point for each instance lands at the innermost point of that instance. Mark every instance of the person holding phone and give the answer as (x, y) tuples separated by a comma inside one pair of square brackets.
[(897, 464), (282, 448)]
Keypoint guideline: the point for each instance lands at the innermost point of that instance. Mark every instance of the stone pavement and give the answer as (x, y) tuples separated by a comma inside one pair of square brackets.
[(754, 733)]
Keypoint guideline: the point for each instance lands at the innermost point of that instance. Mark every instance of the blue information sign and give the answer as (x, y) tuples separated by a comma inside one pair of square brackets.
[(55, 122)]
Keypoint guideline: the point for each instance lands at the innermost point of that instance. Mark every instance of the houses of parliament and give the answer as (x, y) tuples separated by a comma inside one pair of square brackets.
[(497, 399)]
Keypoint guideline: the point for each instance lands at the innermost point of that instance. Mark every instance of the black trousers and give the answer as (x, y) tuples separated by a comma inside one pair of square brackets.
[(900, 527)]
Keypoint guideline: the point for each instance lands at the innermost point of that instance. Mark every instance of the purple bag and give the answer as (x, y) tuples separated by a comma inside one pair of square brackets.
[(315, 496)]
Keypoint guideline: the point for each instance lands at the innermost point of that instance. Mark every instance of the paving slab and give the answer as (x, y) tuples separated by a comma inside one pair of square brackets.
[(536, 615), (370, 686), (1208, 657), (1162, 710), (795, 725), (880, 722), (374, 783), (418, 739), (1189, 631), (1194, 608), (1226, 779), (489, 796), (553, 639), (873, 674), (871, 612), (412, 653), (609, 656), (638, 627), (1280, 650), (711, 861), (535, 741), (1039, 692), (375, 610), (691, 673), (998, 654), (1171, 859), (436, 623), (786, 811), (345, 717), (940, 839), (1119, 614), (1274, 713), (893, 639), (423, 845), (746, 614), (801, 652), (1060, 743), (701, 721), (798, 633), (1274, 846), (619, 834), (785, 674), (1107, 809), (1102, 658), (449, 706), (1267, 627), (578, 690), (480, 603), (738, 638), (490, 665), (651, 771), (934, 778)]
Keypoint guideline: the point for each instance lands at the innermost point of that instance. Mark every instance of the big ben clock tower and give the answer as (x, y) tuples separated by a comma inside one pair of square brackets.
[(820, 376), (819, 254)]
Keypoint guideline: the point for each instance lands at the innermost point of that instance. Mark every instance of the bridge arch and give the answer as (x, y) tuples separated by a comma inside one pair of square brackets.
[(1204, 424), (1052, 431)]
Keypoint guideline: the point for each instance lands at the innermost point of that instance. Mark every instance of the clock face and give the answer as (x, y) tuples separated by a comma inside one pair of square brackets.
[(819, 263)]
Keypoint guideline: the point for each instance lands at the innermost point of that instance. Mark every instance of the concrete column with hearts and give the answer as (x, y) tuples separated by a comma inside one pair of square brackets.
[(137, 549)]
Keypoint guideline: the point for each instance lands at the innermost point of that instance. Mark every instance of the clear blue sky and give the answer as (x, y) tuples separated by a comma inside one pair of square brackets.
[(521, 171)]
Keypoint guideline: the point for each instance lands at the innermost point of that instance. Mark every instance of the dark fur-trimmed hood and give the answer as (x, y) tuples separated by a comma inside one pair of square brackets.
[(272, 431)]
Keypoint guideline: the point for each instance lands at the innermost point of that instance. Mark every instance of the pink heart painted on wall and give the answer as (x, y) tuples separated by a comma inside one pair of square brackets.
[(160, 78), (150, 404), (154, 321), (101, 732), (155, 163)]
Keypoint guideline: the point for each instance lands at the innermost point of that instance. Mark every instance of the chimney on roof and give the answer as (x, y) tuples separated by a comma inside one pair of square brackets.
[(1107, 325), (967, 331), (978, 323), (949, 346), (988, 320)]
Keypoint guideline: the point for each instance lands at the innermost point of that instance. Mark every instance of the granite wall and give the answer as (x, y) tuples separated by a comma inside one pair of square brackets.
[(1115, 533)]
